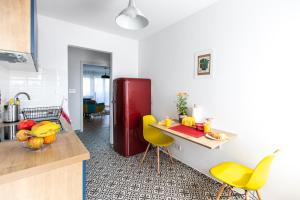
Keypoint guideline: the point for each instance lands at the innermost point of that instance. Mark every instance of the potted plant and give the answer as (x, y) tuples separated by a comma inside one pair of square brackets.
[(182, 105)]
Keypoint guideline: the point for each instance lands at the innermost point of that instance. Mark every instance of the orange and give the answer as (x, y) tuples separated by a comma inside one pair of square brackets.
[(49, 139)]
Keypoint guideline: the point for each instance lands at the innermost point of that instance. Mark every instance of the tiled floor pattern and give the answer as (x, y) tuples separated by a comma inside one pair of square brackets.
[(111, 176)]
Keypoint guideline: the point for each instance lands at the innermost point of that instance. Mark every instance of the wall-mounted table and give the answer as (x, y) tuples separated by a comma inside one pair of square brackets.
[(203, 141)]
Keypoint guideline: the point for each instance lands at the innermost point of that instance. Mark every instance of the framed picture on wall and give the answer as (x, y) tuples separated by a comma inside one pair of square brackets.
[(203, 63)]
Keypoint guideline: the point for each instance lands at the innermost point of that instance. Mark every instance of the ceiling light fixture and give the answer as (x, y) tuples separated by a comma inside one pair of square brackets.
[(105, 76), (131, 18)]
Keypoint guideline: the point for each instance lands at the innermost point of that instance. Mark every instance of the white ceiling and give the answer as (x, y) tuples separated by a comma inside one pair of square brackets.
[(100, 14)]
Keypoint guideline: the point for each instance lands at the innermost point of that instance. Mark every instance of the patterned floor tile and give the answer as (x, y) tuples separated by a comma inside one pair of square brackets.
[(111, 176)]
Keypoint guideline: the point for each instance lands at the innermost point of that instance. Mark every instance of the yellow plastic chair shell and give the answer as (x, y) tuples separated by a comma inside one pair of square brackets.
[(239, 176), (155, 137)]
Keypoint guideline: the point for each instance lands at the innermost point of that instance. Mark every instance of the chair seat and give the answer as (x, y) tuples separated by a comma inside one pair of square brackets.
[(232, 174), (160, 140)]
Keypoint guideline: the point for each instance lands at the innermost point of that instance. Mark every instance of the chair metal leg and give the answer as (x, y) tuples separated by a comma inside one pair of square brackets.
[(220, 192), (145, 154), (247, 195), (170, 156), (258, 195), (158, 170)]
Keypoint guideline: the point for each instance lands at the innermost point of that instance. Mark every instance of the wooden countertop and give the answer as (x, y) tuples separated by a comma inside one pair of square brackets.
[(17, 162), (203, 141)]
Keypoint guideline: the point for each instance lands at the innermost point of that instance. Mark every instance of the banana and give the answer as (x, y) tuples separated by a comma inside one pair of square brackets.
[(48, 133), (45, 129)]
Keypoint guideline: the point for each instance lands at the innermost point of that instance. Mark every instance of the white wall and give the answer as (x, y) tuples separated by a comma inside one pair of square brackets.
[(254, 91), (55, 36), (77, 57)]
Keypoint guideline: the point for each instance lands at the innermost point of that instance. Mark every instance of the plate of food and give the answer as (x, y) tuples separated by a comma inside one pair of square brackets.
[(216, 136)]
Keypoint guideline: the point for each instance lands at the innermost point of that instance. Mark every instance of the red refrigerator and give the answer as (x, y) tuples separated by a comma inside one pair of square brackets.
[(131, 101)]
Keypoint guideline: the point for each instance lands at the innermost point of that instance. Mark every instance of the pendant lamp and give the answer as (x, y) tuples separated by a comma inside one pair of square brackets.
[(131, 18)]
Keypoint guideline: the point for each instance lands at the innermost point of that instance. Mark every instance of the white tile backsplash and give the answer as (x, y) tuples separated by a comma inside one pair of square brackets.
[(4, 88), (44, 87)]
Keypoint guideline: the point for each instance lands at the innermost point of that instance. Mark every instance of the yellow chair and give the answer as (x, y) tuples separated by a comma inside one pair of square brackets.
[(155, 137), (240, 176)]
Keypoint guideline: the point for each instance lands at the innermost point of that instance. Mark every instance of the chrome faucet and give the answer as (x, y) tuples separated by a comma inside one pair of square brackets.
[(12, 111), (18, 94)]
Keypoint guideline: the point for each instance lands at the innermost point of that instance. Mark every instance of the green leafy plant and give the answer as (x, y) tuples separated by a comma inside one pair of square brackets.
[(182, 103), (204, 64)]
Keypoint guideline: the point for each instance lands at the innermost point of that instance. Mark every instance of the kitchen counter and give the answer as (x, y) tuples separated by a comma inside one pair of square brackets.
[(55, 172)]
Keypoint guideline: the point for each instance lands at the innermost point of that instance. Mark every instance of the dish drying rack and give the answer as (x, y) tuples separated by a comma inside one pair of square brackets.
[(51, 113)]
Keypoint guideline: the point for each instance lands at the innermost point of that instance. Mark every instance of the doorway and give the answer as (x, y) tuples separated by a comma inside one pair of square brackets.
[(96, 94), (89, 83)]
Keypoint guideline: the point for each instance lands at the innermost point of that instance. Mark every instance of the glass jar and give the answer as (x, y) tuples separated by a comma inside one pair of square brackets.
[(207, 125)]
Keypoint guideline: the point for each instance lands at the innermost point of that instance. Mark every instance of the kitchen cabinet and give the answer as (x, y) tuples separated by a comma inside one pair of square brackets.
[(56, 172), (18, 34)]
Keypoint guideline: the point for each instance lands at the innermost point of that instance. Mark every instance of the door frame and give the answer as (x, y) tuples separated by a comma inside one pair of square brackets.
[(81, 90), (82, 63)]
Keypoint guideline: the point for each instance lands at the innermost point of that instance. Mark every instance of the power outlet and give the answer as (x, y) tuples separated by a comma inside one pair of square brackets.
[(177, 146)]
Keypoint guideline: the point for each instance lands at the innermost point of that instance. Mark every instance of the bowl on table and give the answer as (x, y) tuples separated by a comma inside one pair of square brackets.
[(38, 135)]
